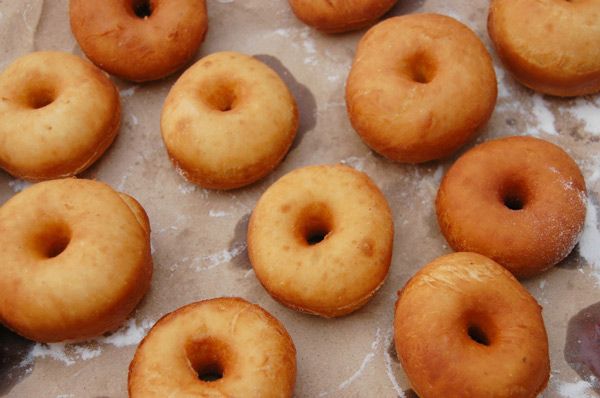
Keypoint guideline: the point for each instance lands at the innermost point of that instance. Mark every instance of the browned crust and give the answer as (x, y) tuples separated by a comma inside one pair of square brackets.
[(472, 214), (334, 16), (134, 48)]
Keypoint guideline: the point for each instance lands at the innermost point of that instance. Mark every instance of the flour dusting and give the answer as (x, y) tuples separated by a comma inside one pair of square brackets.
[(128, 92), (388, 364), (581, 389), (129, 333), (544, 116), (216, 259), (588, 113), (589, 243), (368, 358), (19, 185)]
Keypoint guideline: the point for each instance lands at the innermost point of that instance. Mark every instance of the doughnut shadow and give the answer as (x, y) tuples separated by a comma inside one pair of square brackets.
[(305, 100)]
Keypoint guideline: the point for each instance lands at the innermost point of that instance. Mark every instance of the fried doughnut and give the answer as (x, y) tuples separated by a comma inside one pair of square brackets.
[(320, 239), (549, 46), (224, 347), (228, 121), (58, 114), (75, 259), (464, 327), (340, 16), (139, 40), (420, 87), (520, 201)]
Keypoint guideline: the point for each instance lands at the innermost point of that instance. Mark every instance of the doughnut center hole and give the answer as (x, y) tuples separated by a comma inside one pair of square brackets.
[(514, 195), (420, 68), (315, 224), (513, 202), (478, 335), (41, 98), (142, 9), (207, 357), (220, 97), (52, 240)]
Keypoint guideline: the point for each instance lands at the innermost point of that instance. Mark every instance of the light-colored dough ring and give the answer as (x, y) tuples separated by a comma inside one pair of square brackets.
[(465, 328), (320, 239), (228, 121), (58, 115), (420, 87), (230, 337), (75, 259), (549, 45), (336, 16), (520, 201), (139, 40)]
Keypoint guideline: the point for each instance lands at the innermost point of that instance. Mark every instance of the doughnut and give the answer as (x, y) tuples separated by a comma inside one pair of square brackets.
[(223, 347), (320, 239), (75, 259), (420, 87), (139, 40), (228, 121), (58, 115), (520, 201), (340, 16), (547, 45), (464, 327)]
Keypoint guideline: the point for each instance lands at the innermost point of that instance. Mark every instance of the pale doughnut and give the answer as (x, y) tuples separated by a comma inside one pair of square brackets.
[(520, 201), (58, 115), (75, 259), (420, 87), (336, 16), (549, 45), (139, 40), (228, 121), (227, 337), (464, 327), (320, 239)]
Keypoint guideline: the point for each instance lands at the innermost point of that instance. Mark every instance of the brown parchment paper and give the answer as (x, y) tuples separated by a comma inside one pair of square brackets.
[(199, 235)]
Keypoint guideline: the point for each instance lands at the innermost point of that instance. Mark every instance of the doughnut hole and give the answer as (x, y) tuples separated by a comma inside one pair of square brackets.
[(514, 195), (39, 97), (208, 357), (480, 329), (314, 224), (142, 8), (51, 239), (420, 68), (220, 96)]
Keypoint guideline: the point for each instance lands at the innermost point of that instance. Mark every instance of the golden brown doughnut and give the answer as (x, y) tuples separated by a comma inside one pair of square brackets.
[(58, 114), (139, 40), (336, 16), (75, 259), (549, 45), (465, 328), (420, 87), (227, 337), (320, 239), (520, 201), (228, 121)]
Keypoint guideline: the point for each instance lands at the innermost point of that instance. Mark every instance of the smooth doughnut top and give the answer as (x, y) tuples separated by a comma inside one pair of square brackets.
[(465, 327), (58, 114), (420, 87), (228, 121), (139, 40), (75, 259), (320, 239), (518, 200), (336, 16), (226, 337), (549, 45)]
